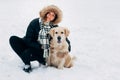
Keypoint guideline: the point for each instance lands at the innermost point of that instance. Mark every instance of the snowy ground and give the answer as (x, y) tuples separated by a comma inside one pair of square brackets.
[(95, 39)]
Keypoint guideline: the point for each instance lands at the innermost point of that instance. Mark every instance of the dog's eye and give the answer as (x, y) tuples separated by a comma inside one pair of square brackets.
[(56, 32), (61, 32)]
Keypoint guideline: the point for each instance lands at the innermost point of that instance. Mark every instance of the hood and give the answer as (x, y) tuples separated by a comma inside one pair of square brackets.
[(54, 9)]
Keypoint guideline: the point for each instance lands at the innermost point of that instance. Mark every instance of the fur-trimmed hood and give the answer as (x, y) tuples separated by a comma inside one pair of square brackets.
[(54, 9)]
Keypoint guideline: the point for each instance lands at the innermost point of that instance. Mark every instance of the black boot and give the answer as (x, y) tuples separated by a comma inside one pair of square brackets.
[(42, 61), (27, 68)]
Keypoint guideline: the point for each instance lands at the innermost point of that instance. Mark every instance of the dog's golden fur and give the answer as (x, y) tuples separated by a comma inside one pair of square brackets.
[(59, 55)]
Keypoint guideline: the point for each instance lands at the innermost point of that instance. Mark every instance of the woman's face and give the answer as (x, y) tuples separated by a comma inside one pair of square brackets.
[(50, 16)]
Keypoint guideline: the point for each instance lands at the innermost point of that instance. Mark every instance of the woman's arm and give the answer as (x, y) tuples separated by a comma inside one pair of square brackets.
[(69, 48), (32, 34)]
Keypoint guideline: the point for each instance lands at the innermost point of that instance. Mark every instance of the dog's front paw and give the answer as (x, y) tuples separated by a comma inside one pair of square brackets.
[(60, 67)]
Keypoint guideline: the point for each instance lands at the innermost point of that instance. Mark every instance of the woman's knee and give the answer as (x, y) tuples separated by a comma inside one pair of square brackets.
[(12, 39), (15, 42)]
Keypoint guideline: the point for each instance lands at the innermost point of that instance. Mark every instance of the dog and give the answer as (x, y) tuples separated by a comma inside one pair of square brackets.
[(59, 56)]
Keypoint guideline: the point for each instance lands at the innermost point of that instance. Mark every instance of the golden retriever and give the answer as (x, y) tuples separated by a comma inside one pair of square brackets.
[(59, 55)]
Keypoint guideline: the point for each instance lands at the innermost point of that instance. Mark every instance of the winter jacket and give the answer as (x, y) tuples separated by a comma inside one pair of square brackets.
[(33, 29), (32, 34)]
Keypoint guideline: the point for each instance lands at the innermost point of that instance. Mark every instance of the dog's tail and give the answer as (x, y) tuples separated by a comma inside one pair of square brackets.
[(70, 61)]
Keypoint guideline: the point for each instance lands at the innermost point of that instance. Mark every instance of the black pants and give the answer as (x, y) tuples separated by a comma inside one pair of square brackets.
[(25, 52)]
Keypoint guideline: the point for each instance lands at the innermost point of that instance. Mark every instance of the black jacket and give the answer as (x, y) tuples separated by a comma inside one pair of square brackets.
[(32, 34)]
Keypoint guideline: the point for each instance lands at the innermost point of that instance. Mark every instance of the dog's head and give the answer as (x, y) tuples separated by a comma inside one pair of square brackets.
[(59, 34)]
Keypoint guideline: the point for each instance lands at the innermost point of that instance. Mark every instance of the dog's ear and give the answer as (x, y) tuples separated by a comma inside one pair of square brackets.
[(67, 32), (51, 32)]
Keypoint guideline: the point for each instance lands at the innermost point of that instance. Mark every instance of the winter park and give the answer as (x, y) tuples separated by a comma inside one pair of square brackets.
[(94, 36)]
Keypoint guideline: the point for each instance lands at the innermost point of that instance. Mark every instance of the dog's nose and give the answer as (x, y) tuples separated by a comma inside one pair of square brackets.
[(59, 38)]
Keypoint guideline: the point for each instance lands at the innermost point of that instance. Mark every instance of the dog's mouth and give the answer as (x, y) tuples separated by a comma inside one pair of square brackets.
[(58, 39)]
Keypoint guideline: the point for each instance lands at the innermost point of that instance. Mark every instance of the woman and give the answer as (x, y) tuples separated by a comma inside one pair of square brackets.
[(33, 46)]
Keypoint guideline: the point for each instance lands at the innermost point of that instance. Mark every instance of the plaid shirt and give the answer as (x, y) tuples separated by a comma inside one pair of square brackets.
[(43, 37)]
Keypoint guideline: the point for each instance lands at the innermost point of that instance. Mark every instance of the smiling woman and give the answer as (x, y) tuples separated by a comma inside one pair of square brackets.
[(35, 44), (50, 16)]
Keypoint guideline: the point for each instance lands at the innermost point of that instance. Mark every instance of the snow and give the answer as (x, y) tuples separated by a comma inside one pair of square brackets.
[(94, 34)]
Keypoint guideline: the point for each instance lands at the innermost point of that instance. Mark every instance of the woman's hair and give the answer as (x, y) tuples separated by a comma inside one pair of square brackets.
[(51, 8), (56, 16)]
